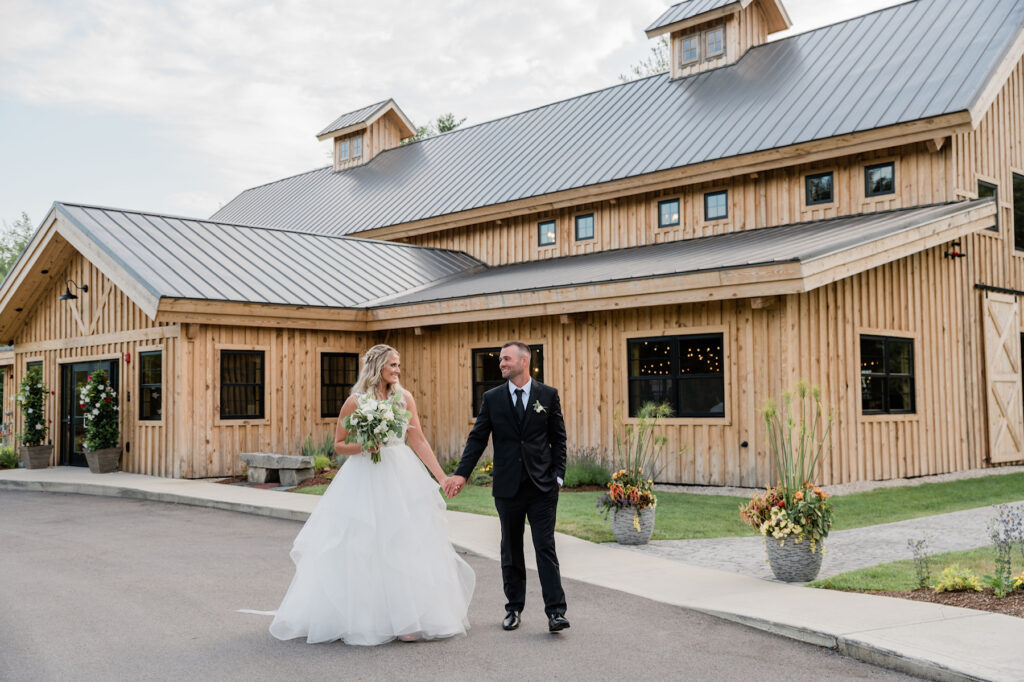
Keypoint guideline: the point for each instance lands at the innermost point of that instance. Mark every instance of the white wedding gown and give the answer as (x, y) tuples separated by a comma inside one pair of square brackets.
[(373, 561)]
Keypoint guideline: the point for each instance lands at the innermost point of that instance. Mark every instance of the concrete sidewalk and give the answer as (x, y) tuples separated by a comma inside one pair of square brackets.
[(929, 640)]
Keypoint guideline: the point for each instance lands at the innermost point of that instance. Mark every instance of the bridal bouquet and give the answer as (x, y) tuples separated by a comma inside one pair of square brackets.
[(375, 422)]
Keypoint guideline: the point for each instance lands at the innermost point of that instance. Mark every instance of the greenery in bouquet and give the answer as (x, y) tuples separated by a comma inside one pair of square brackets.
[(98, 400), (637, 449), (375, 422), (794, 508), (32, 398)]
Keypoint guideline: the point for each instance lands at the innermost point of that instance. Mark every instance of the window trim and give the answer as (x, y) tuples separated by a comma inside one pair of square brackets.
[(807, 188), (218, 420), (983, 180), (356, 154), (139, 352), (918, 380), (554, 241), (708, 219), (343, 146), (679, 213), (593, 226), (475, 409), (320, 353), (728, 370), (682, 50), (708, 56), (867, 186)]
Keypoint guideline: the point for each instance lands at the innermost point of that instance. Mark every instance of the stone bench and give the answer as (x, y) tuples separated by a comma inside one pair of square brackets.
[(284, 469)]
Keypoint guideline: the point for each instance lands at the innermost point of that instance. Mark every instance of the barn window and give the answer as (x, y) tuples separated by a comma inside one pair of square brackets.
[(487, 375), (684, 371), (714, 42), (151, 398), (886, 375), (241, 384), (546, 233), (668, 213), (986, 190), (689, 49), (716, 205), (338, 373), (584, 227), (880, 179), (1018, 212), (819, 188)]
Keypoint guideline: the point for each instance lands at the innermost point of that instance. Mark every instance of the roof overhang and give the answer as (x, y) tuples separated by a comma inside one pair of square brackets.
[(184, 310), (774, 12), (406, 127), (752, 281)]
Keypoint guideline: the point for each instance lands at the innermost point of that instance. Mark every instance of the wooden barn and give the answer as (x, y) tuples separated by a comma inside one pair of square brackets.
[(844, 206)]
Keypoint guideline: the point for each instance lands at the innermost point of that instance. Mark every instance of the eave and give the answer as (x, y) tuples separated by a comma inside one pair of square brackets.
[(406, 125), (775, 14)]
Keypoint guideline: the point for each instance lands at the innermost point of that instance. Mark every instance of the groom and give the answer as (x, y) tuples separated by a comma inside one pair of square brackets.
[(525, 419)]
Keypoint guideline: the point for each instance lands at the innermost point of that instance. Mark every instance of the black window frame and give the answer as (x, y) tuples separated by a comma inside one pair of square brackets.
[(262, 384), (995, 195), (885, 375), (540, 232), (143, 355), (677, 376), (593, 228), (679, 213), (807, 188), (330, 414), (536, 371), (867, 182), (33, 363), (1018, 212), (708, 195)]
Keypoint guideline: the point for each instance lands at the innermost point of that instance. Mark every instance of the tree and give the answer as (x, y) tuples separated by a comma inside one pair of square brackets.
[(443, 124), (13, 240), (655, 63)]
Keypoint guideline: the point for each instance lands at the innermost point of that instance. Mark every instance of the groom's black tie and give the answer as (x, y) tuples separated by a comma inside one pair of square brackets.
[(520, 406)]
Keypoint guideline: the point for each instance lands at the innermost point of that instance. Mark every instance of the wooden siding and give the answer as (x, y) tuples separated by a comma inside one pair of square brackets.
[(773, 198), (743, 30), (210, 446), (379, 136)]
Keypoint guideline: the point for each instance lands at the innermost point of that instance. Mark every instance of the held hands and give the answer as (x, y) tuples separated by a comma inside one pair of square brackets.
[(453, 485)]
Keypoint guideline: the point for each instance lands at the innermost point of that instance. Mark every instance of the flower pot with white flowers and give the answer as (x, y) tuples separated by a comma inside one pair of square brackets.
[(35, 453), (98, 400)]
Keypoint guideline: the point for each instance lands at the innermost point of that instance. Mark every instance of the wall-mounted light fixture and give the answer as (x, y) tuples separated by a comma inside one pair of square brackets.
[(68, 296), (955, 251)]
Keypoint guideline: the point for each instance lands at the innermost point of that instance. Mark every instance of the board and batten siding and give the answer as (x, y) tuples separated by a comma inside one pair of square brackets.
[(101, 324), (775, 197), (211, 445)]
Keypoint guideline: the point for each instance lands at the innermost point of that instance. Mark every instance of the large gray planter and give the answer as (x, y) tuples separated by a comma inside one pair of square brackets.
[(624, 530), (103, 461), (36, 456), (793, 562)]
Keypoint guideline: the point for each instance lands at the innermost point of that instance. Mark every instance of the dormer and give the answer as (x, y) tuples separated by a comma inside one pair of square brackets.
[(358, 136), (707, 34)]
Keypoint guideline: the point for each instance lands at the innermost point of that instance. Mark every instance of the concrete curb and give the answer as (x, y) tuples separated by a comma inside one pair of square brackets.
[(848, 644)]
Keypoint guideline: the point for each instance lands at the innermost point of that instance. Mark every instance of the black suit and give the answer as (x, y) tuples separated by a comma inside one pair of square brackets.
[(529, 454)]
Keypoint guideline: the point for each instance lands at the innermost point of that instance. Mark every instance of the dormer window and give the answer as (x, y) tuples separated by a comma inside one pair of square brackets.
[(342, 150), (689, 49), (714, 42), (357, 146)]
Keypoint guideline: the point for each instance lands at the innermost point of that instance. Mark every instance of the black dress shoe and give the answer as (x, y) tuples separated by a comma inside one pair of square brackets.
[(557, 622), (511, 621)]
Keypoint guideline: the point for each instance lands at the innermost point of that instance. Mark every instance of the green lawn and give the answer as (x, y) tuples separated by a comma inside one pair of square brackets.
[(683, 516), (899, 575)]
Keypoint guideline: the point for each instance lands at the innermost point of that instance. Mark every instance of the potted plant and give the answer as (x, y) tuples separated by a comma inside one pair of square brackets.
[(102, 423), (630, 498), (795, 516), (32, 398)]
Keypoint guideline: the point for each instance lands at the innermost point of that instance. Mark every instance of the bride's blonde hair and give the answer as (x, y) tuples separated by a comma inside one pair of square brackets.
[(374, 361)]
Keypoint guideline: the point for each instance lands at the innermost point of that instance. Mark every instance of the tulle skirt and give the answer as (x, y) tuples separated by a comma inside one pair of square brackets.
[(373, 561)]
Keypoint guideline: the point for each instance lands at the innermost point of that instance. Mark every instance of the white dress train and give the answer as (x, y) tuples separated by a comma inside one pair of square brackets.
[(373, 561)]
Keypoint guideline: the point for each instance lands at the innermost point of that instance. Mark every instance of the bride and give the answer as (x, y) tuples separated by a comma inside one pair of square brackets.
[(373, 562)]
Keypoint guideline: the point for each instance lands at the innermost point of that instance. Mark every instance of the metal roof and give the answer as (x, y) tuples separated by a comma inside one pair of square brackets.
[(905, 63), (177, 257), (801, 242), (688, 9), (352, 117)]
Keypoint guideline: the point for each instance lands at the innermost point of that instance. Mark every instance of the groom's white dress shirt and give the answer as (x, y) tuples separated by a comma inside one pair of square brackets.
[(512, 388)]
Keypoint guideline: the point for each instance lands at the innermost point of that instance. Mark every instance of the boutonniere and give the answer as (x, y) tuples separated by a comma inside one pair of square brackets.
[(538, 408)]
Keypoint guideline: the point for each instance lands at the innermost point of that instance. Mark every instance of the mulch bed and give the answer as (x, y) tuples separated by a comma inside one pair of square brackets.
[(322, 477), (234, 479), (1011, 605)]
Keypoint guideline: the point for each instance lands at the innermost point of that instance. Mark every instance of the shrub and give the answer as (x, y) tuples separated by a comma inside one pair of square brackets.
[(450, 466), (957, 579), (586, 473), (483, 474), (922, 561), (32, 398), (323, 449), (102, 417), (320, 462), (8, 457)]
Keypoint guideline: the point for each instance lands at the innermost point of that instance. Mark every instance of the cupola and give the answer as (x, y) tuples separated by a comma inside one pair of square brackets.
[(707, 34), (358, 136)]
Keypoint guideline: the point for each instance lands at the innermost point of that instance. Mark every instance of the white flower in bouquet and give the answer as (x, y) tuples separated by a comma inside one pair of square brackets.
[(374, 423)]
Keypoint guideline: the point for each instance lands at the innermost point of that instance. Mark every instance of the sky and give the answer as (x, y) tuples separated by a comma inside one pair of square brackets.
[(176, 106)]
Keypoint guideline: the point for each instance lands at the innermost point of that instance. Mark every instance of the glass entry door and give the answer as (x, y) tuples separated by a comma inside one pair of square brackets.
[(73, 378)]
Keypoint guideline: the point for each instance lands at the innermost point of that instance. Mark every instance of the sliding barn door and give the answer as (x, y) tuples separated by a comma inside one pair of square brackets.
[(1003, 378)]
